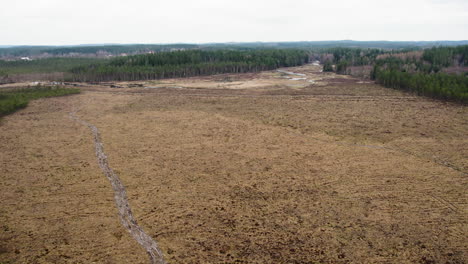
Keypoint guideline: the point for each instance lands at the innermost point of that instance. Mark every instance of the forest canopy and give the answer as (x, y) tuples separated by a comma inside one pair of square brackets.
[(189, 63), (438, 72)]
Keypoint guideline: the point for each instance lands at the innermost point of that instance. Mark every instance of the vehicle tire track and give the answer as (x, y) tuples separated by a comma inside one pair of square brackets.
[(120, 195), (446, 203), (395, 149)]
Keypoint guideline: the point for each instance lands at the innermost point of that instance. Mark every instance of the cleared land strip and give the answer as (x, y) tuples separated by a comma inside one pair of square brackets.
[(120, 195)]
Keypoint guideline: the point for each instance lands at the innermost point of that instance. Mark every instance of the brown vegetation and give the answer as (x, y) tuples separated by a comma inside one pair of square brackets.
[(413, 55), (29, 77), (456, 70), (249, 168), (360, 71)]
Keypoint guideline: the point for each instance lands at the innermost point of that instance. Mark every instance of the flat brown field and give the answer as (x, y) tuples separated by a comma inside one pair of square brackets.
[(248, 168)]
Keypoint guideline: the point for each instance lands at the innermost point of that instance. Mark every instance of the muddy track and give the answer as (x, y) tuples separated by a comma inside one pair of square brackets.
[(120, 195)]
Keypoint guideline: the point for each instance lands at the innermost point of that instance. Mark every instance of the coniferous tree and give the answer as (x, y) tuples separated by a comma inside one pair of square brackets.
[(327, 66)]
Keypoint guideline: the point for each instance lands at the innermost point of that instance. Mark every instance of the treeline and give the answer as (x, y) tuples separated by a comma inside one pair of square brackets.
[(116, 49), (14, 99), (437, 85), (45, 65), (424, 75), (119, 49), (428, 61), (52, 69), (87, 50), (431, 60), (343, 58), (446, 57), (189, 63), (424, 72)]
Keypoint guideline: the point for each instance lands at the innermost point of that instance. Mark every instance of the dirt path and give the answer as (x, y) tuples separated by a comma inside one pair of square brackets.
[(125, 212)]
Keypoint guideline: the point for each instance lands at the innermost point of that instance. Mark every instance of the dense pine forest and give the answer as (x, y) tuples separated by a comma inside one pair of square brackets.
[(189, 63), (438, 72)]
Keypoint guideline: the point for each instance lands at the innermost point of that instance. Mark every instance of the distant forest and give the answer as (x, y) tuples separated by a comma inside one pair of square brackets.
[(94, 51), (189, 63), (427, 75), (102, 51), (44, 65), (438, 72), (434, 69)]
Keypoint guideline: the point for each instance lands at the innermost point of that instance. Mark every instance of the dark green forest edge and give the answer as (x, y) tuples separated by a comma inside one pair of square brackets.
[(189, 63), (14, 99), (417, 67), (436, 72)]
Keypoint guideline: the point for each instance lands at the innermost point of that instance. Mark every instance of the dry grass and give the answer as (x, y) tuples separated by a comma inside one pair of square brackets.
[(248, 168)]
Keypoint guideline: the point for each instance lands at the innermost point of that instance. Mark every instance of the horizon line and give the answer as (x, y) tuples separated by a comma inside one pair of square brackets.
[(227, 42)]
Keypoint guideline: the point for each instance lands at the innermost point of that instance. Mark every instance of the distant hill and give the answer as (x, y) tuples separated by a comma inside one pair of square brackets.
[(87, 50), (108, 50), (342, 43)]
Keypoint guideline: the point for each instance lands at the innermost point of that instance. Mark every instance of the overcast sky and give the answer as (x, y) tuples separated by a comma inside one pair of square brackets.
[(64, 22)]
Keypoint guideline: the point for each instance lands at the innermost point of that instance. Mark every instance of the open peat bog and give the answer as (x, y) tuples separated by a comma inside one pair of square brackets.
[(292, 166)]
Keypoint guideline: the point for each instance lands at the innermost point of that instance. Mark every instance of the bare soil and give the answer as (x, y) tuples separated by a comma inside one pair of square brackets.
[(248, 168)]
